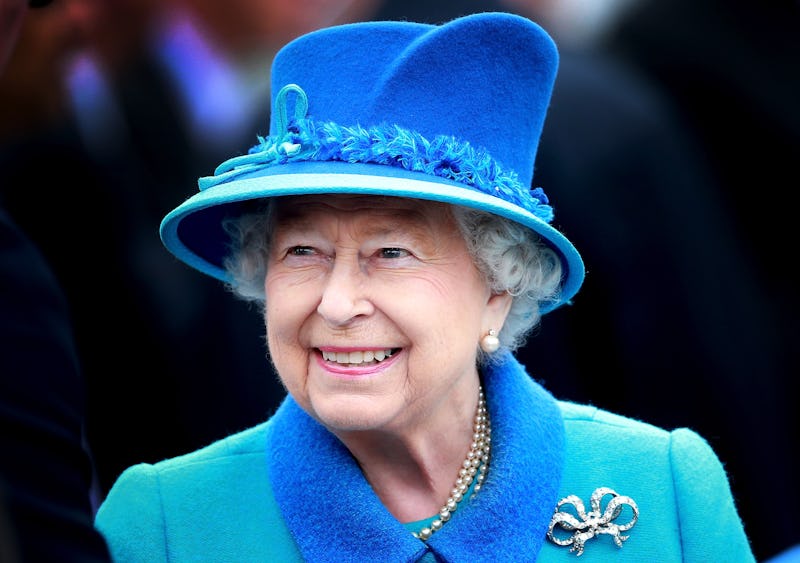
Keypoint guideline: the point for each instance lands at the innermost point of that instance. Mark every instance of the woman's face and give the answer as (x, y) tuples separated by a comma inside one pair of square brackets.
[(353, 278)]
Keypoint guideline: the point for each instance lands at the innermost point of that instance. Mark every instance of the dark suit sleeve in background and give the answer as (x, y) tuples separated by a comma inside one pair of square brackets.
[(45, 473)]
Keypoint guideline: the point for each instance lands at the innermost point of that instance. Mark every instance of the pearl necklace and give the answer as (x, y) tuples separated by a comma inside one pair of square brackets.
[(474, 468)]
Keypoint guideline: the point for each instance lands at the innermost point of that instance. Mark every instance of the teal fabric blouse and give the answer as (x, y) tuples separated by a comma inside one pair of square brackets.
[(287, 490)]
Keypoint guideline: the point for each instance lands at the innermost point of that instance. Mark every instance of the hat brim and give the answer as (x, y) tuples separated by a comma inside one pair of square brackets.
[(193, 231)]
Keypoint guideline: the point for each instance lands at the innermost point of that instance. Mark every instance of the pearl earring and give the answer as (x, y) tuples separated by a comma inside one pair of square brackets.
[(490, 343)]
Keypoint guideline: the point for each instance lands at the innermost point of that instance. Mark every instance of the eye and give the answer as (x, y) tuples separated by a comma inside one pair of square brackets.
[(300, 251), (390, 253)]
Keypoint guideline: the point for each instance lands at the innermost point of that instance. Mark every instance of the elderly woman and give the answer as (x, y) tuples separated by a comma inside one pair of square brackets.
[(387, 228)]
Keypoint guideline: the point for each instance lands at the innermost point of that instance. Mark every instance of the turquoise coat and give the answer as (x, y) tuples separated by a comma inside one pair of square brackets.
[(287, 490)]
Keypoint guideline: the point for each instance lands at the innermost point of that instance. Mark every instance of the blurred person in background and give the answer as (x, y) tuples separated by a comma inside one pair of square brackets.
[(49, 183), (731, 70), (45, 471), (31, 91)]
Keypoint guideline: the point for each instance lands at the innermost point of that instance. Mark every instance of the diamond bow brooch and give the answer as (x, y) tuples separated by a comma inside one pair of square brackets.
[(584, 526)]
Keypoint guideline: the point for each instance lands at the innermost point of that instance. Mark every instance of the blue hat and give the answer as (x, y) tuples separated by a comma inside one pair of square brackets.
[(449, 113)]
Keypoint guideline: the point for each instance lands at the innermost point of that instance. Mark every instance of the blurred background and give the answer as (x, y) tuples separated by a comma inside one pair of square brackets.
[(669, 154)]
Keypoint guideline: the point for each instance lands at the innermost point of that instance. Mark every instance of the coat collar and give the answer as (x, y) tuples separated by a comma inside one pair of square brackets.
[(334, 515)]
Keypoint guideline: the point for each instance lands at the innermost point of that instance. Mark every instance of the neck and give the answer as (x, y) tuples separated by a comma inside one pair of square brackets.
[(413, 472), (413, 480)]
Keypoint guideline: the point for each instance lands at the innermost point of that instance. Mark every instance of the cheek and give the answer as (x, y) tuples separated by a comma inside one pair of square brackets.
[(457, 295), (287, 309), (289, 358), (446, 312)]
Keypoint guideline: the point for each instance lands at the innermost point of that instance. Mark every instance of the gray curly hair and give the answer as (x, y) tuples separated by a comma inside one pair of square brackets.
[(512, 258)]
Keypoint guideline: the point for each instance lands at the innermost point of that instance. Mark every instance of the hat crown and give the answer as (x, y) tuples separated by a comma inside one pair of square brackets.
[(484, 79)]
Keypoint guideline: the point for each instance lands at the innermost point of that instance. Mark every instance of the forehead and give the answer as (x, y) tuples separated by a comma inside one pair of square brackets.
[(386, 207)]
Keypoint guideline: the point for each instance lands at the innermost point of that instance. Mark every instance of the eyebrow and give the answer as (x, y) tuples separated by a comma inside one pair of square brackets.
[(386, 226)]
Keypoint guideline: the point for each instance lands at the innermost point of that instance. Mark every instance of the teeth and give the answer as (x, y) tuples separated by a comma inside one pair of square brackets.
[(358, 357)]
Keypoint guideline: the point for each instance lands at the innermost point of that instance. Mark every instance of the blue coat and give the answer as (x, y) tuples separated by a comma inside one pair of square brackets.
[(287, 490)]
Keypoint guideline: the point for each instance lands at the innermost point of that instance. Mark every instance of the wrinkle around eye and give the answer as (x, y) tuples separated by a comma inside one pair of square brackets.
[(303, 257)]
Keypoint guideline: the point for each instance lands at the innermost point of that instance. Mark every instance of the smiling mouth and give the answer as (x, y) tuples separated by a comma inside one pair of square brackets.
[(359, 357)]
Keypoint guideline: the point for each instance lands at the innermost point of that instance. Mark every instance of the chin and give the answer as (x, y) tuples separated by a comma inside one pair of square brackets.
[(349, 414)]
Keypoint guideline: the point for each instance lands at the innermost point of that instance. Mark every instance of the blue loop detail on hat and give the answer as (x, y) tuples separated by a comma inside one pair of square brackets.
[(302, 139), (282, 115)]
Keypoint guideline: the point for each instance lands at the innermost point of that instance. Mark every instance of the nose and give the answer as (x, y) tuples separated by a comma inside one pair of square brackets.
[(344, 296)]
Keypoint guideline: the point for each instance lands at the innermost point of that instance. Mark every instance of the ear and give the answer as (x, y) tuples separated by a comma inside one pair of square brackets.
[(497, 308)]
